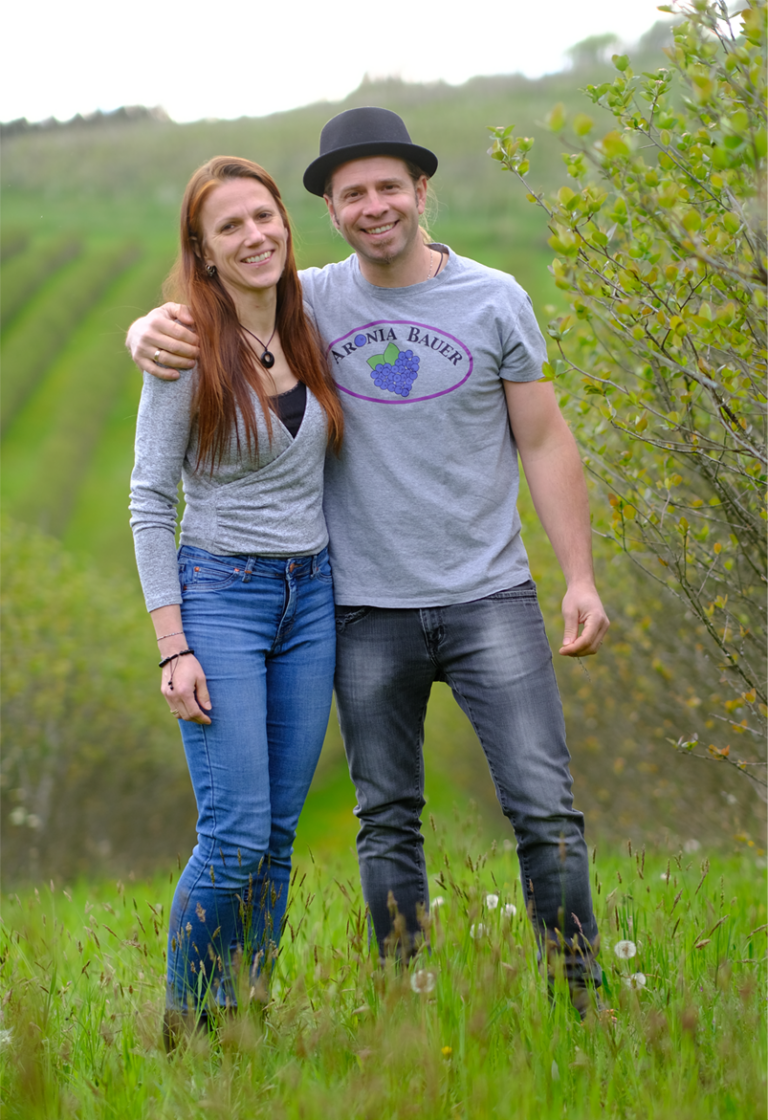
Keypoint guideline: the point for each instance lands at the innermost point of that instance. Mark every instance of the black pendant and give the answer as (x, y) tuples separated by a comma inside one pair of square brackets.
[(267, 359)]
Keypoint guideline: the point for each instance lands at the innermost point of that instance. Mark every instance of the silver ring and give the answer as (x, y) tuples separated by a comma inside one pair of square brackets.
[(156, 358)]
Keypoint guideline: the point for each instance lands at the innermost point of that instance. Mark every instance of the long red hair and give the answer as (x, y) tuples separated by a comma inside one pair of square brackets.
[(228, 370)]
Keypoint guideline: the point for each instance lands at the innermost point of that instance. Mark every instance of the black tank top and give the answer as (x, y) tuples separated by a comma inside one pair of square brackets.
[(290, 407)]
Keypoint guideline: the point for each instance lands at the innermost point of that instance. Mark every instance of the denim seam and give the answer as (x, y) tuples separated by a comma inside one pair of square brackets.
[(418, 846), (210, 840)]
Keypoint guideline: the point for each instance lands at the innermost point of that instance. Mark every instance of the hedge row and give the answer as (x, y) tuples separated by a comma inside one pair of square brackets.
[(47, 454), (93, 771), (39, 334), (13, 239), (24, 274)]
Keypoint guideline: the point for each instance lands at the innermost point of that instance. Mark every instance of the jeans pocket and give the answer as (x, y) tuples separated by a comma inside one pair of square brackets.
[(348, 616), (323, 573), (523, 591), (205, 575)]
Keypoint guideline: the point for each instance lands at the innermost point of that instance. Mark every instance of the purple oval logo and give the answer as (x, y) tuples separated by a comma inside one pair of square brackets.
[(398, 361)]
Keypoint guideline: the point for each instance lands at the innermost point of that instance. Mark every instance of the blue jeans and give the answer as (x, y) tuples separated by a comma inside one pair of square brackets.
[(263, 631), (494, 654)]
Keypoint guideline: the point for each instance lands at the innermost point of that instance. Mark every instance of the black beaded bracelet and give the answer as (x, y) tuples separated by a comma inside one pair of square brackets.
[(181, 653)]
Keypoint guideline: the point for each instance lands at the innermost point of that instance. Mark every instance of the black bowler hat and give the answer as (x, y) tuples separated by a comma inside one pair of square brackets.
[(358, 133)]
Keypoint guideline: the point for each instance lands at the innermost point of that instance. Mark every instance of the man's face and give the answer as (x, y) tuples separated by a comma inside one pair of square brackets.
[(375, 205)]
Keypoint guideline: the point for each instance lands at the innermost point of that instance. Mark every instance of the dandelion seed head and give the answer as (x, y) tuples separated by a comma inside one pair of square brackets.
[(625, 950), (491, 901), (423, 981), (636, 981), (477, 931), (664, 876), (691, 846), (436, 902), (510, 910)]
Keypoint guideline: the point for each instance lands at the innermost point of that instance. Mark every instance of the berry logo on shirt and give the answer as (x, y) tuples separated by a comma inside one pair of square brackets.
[(399, 362)]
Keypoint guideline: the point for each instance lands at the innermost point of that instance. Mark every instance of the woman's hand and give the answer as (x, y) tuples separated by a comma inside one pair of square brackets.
[(185, 689)]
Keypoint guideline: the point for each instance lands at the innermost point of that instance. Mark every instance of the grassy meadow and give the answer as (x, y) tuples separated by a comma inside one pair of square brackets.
[(467, 1031)]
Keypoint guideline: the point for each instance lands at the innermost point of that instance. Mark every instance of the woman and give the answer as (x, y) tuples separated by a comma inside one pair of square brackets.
[(244, 614)]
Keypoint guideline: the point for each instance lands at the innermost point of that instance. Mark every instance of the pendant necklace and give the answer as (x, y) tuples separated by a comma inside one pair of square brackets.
[(267, 358)]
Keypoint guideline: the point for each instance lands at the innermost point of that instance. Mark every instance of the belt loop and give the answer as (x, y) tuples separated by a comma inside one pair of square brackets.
[(248, 569)]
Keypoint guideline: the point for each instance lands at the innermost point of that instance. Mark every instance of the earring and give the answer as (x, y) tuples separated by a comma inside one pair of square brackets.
[(211, 270)]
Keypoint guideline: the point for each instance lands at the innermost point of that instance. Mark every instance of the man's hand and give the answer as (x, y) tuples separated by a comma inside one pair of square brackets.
[(164, 341), (582, 608)]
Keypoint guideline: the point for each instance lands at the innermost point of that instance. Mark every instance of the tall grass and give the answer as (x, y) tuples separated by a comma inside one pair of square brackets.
[(467, 1031)]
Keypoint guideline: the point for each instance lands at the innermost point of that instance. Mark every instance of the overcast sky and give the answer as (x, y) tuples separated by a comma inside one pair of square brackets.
[(240, 58)]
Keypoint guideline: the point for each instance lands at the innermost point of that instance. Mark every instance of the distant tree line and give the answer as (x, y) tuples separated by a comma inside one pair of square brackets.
[(126, 114)]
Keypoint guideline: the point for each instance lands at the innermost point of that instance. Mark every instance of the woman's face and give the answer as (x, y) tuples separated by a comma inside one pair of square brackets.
[(244, 237)]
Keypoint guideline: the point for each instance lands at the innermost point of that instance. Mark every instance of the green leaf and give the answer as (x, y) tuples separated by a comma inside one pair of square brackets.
[(556, 117), (391, 354), (620, 61), (582, 124), (376, 360), (614, 145)]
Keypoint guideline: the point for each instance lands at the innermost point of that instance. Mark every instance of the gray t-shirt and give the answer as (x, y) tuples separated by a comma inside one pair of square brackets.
[(421, 505)]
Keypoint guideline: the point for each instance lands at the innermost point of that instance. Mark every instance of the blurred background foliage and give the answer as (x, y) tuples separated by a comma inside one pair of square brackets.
[(93, 775)]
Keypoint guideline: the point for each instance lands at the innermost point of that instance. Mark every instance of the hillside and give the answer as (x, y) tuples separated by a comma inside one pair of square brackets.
[(89, 228)]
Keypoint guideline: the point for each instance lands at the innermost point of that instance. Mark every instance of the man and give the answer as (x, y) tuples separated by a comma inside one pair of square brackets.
[(438, 360)]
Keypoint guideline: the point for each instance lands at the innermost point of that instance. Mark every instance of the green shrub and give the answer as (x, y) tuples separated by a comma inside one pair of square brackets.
[(92, 766), (661, 251)]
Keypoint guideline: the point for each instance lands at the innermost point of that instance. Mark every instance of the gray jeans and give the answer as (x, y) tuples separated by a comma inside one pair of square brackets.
[(494, 655)]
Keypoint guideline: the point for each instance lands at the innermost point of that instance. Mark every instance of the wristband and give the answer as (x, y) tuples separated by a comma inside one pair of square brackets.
[(181, 653)]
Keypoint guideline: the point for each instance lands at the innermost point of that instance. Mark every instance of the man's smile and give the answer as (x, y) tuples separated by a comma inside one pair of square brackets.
[(381, 229)]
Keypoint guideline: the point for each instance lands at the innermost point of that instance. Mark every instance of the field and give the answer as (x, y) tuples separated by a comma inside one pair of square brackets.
[(88, 234), (467, 1031)]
